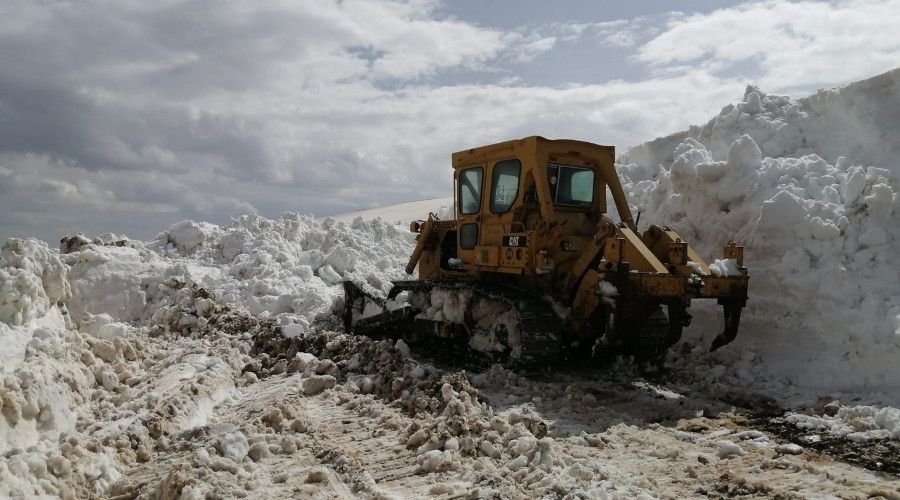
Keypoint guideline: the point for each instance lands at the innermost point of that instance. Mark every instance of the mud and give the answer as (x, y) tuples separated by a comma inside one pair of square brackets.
[(879, 455)]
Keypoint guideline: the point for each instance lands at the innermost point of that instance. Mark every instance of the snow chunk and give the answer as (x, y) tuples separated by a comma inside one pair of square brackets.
[(744, 154), (517, 463), (187, 234), (317, 383), (728, 449), (725, 267), (233, 445), (789, 449), (436, 460)]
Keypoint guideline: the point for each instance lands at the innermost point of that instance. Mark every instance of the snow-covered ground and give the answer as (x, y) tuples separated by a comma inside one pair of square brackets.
[(205, 361)]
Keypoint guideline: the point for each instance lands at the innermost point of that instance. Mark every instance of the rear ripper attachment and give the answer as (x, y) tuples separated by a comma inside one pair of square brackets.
[(531, 267), (646, 311)]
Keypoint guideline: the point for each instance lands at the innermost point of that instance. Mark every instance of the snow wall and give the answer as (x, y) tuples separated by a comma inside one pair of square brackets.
[(810, 187)]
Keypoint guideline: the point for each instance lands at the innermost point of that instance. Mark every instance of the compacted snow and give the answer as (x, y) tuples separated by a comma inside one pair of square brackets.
[(205, 362)]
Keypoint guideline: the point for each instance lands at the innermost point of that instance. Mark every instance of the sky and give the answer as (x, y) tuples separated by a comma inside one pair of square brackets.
[(126, 116)]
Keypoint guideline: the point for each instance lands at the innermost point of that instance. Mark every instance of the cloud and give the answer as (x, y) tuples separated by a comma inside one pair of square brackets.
[(533, 46), (783, 45), (194, 106), (628, 33), (126, 116)]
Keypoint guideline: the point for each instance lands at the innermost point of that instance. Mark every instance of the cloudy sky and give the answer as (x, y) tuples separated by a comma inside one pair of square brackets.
[(126, 116)]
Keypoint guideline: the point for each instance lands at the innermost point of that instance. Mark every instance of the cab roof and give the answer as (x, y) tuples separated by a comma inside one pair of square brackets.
[(522, 147)]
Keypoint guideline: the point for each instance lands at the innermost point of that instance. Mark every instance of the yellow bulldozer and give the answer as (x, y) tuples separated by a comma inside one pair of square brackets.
[(531, 268)]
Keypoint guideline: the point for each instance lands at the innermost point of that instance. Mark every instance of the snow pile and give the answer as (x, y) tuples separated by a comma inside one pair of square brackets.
[(119, 281), (289, 268), (810, 187)]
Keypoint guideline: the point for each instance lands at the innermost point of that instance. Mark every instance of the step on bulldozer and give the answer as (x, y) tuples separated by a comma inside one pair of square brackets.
[(531, 269)]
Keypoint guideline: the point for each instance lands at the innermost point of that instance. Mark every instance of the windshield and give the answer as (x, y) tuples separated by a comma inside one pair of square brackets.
[(571, 185)]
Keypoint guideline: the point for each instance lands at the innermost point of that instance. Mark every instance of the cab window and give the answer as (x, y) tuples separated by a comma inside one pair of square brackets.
[(571, 186), (469, 186), (504, 185)]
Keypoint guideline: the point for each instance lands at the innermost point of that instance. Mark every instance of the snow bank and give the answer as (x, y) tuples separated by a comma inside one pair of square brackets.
[(810, 187), (40, 379), (288, 268), (33, 290)]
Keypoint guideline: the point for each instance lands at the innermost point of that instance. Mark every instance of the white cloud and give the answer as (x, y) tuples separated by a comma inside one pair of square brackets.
[(528, 50), (619, 33), (627, 33), (793, 44), (134, 114)]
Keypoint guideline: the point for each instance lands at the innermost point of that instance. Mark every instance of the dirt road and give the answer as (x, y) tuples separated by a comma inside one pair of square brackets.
[(240, 411)]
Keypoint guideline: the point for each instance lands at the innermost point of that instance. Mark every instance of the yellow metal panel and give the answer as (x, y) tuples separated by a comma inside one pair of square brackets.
[(660, 285), (733, 251), (637, 254), (513, 256), (658, 240), (534, 153), (422, 241), (491, 233), (724, 286), (486, 255), (585, 302)]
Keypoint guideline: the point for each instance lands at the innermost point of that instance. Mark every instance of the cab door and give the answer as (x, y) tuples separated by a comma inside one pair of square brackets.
[(469, 206), (498, 236)]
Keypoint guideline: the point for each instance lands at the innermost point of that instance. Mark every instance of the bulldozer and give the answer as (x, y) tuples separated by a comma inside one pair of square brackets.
[(531, 269)]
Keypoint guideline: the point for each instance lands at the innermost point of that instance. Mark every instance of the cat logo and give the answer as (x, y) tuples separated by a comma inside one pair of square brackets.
[(515, 241)]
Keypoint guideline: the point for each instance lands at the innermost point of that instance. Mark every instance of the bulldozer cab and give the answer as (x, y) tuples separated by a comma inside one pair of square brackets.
[(509, 195)]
